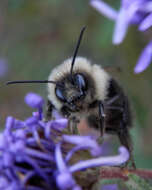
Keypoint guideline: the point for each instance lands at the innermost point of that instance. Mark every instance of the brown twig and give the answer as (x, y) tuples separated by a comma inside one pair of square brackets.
[(115, 172)]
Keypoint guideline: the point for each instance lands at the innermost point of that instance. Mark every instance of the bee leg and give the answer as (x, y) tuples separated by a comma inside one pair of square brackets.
[(72, 123), (124, 123), (115, 108), (49, 109), (125, 140), (112, 100), (102, 118)]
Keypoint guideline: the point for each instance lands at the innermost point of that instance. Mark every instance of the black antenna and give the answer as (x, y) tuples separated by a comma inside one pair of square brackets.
[(33, 81), (76, 49), (47, 81)]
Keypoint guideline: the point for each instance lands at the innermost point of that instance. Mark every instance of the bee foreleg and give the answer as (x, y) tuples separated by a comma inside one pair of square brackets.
[(125, 140), (49, 110), (101, 118), (72, 124)]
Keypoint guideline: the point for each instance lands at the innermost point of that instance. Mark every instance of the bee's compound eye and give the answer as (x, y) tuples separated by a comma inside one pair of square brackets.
[(80, 81), (59, 94)]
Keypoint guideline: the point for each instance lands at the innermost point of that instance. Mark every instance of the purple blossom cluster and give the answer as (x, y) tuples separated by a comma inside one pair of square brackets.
[(32, 154), (138, 12)]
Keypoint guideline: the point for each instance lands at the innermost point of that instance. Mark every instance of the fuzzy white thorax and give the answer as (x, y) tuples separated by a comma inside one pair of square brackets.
[(101, 78)]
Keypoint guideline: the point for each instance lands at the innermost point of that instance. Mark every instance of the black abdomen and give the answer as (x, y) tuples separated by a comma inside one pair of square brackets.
[(117, 108)]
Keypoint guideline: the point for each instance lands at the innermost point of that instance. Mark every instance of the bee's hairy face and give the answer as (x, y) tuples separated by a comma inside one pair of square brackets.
[(72, 90)]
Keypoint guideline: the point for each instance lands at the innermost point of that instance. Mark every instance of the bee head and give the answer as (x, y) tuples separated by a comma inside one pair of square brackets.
[(72, 91)]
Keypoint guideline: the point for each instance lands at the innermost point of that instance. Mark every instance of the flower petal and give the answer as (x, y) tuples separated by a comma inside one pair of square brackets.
[(146, 23), (126, 3), (110, 187), (102, 161), (84, 141), (8, 159), (3, 141), (3, 183), (64, 178), (65, 181), (56, 114), (31, 121), (121, 26), (126, 14), (10, 121), (147, 7), (144, 59), (59, 158), (104, 9), (34, 100), (59, 124)]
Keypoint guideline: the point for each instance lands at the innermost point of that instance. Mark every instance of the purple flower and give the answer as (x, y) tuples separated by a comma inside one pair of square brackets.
[(104, 8), (33, 154), (110, 187), (103, 161), (130, 12), (137, 12), (35, 101), (144, 59), (25, 154), (64, 177), (84, 142), (127, 15), (146, 23)]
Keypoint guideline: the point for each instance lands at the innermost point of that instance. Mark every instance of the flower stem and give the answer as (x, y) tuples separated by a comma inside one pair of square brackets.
[(122, 173)]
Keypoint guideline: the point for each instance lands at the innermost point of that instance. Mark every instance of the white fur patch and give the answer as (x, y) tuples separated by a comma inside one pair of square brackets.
[(100, 77)]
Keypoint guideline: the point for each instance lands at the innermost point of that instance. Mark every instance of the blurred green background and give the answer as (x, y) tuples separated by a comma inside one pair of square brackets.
[(37, 35)]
